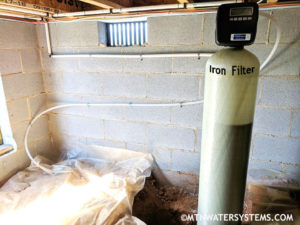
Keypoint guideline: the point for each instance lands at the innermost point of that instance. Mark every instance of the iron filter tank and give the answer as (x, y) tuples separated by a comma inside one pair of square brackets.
[(229, 101)]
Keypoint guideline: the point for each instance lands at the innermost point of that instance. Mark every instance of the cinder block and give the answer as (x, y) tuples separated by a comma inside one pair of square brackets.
[(171, 137), (174, 30), (82, 83), (261, 52), (173, 87), (284, 62), (137, 147), (289, 23), (101, 50), (264, 165), (63, 99), (190, 115), (37, 104), (149, 114), (198, 140), (65, 143), (259, 87), (106, 143), (150, 65), (262, 27), (185, 161), (22, 85), (10, 61), (13, 163), (84, 127), (162, 158), (124, 85), (189, 65), (295, 132), (185, 180), (285, 150), (209, 29), (67, 35), (19, 130), (17, 35), (31, 60), (192, 65), (18, 110), (105, 112), (41, 34), (100, 64), (39, 129), (46, 148), (125, 131), (272, 121), (293, 170), (58, 124), (281, 92), (83, 140), (53, 81), (147, 49), (58, 64)]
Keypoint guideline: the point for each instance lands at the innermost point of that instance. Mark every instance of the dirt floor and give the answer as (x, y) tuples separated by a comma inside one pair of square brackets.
[(156, 205), (163, 205)]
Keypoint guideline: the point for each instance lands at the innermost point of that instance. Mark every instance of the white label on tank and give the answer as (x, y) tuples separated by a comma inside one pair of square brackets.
[(240, 37)]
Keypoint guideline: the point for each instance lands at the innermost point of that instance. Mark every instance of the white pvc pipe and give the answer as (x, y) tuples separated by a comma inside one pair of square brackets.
[(83, 13), (15, 9), (144, 8), (209, 4), (178, 104), (133, 56), (19, 16), (134, 9), (149, 8), (48, 39)]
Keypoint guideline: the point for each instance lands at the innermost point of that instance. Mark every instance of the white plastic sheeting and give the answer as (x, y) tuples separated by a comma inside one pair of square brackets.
[(98, 187)]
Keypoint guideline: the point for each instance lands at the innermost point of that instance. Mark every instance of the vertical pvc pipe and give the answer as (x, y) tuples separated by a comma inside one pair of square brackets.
[(49, 48), (229, 100)]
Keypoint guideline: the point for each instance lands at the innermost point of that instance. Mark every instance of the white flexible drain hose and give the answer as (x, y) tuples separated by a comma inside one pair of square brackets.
[(278, 35), (181, 104)]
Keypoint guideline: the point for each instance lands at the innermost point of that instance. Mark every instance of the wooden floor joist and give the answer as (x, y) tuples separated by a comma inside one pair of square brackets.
[(106, 4), (50, 6)]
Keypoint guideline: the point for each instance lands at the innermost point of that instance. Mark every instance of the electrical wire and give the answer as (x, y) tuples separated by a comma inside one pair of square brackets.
[(180, 104), (49, 171)]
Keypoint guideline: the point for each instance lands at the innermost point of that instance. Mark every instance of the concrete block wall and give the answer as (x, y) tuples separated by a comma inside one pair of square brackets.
[(173, 134), (21, 71)]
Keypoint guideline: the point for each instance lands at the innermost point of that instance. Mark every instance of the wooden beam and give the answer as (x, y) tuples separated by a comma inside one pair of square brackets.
[(106, 4), (50, 6)]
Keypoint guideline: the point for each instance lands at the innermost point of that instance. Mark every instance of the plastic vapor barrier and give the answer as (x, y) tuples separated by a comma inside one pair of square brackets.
[(93, 186)]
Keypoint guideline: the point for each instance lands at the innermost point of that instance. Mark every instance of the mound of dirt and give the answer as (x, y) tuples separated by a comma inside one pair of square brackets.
[(164, 205)]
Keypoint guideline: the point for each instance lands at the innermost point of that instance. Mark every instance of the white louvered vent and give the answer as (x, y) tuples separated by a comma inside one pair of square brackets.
[(127, 34)]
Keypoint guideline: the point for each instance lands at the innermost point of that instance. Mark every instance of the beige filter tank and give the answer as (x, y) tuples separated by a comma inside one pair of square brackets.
[(229, 101)]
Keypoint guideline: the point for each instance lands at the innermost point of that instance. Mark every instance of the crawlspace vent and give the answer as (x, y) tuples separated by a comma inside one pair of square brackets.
[(127, 34)]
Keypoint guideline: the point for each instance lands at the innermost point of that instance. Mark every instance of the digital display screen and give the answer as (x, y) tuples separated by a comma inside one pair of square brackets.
[(241, 11)]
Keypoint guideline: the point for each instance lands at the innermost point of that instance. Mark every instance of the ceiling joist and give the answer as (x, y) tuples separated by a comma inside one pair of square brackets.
[(107, 4), (50, 6)]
